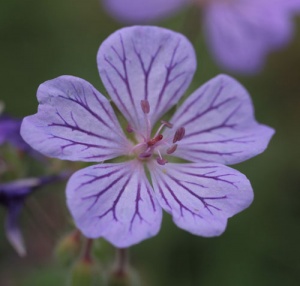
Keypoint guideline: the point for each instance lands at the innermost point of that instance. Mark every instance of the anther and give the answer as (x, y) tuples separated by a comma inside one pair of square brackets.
[(145, 106), (161, 161), (129, 128), (180, 132), (153, 141), (172, 149), (166, 123), (145, 155)]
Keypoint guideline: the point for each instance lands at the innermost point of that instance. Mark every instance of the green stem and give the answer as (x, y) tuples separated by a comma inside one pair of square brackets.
[(122, 261), (87, 254)]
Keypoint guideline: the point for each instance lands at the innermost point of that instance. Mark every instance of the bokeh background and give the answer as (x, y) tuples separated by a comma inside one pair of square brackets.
[(40, 40)]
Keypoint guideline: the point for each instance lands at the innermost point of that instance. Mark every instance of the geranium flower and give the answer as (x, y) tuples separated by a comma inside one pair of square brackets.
[(12, 196), (146, 70), (240, 33)]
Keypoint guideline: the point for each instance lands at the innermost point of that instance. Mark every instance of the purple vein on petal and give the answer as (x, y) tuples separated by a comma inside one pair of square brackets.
[(222, 125), (147, 70), (181, 205), (97, 178), (115, 203), (124, 78), (115, 91), (192, 103), (200, 198), (239, 139), (169, 69), (113, 120)]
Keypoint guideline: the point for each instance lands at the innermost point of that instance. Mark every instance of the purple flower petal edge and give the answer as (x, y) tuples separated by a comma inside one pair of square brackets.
[(74, 122), (220, 125), (114, 201), (146, 63), (141, 11), (201, 197)]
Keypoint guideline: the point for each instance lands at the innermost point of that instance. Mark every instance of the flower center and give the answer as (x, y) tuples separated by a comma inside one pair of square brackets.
[(156, 146)]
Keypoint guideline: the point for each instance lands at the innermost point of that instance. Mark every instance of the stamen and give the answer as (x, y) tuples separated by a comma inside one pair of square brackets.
[(172, 149), (153, 141), (166, 123), (145, 155), (145, 106), (129, 129), (161, 161), (163, 124), (180, 132)]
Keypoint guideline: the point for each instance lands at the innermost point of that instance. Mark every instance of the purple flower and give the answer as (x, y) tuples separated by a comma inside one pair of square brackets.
[(240, 33), (146, 70), (10, 133), (12, 197)]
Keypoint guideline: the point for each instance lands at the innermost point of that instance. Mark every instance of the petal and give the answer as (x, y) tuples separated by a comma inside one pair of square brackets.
[(74, 122), (201, 197), (12, 230), (18, 190), (114, 201), (292, 6), (240, 34), (137, 11), (146, 63), (219, 124)]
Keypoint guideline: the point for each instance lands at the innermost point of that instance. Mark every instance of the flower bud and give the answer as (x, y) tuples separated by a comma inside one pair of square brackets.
[(86, 273), (128, 278), (68, 248)]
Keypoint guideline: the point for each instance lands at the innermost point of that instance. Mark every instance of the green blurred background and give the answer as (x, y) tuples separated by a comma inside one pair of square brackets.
[(40, 40)]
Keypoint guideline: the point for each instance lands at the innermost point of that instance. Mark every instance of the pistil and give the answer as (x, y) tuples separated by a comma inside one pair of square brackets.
[(149, 146)]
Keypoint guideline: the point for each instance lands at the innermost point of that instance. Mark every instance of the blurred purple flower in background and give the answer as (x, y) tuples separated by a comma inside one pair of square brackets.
[(10, 133), (12, 197), (240, 33), (146, 70)]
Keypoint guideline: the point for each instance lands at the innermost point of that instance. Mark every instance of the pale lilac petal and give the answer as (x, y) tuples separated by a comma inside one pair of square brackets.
[(74, 122), (241, 33), (292, 6), (146, 63), (201, 197), (141, 11), (114, 201), (12, 229), (219, 124)]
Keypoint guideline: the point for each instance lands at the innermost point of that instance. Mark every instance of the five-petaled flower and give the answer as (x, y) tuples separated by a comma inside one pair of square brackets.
[(240, 33), (146, 70), (12, 196)]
